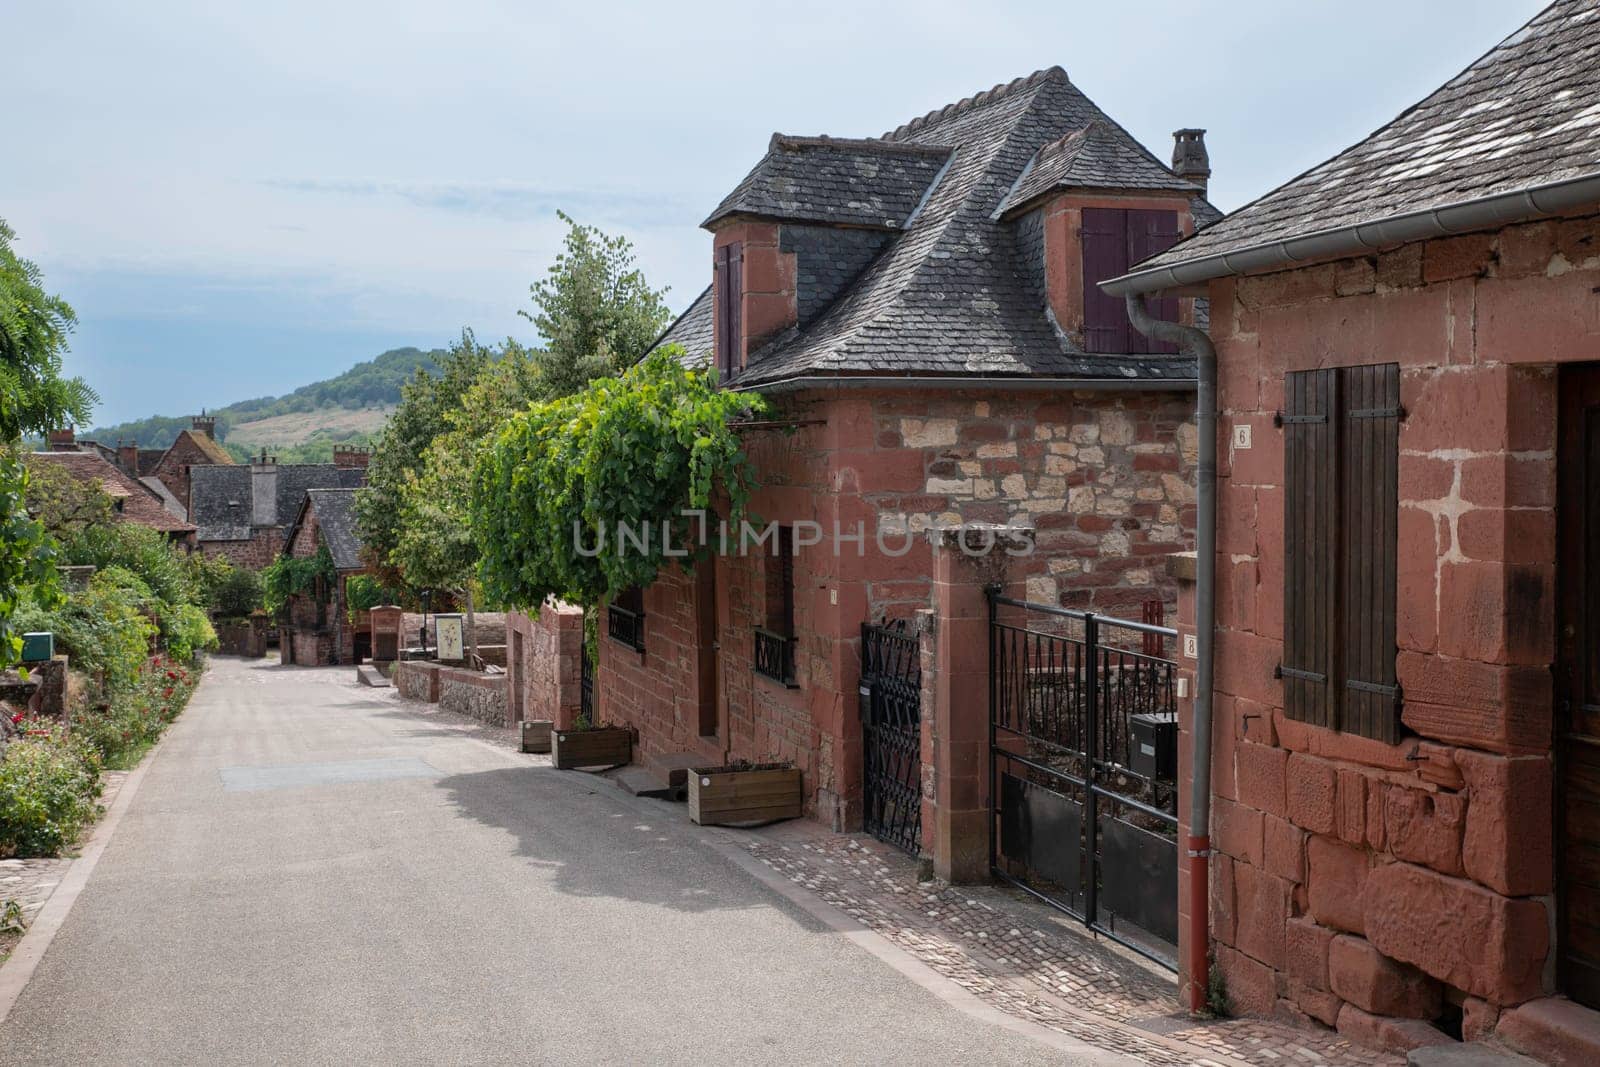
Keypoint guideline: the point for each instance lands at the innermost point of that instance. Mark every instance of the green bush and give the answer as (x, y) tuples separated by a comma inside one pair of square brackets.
[(48, 787), (237, 594), (103, 628)]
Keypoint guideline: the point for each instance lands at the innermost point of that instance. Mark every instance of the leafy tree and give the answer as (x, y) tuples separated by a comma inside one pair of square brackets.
[(33, 335), (239, 593), (595, 310), (634, 451), (399, 454), (67, 505)]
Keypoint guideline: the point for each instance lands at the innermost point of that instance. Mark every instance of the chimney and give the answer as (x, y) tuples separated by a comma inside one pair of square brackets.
[(264, 491), (351, 456), (64, 440), (1189, 157), (128, 457), (206, 424)]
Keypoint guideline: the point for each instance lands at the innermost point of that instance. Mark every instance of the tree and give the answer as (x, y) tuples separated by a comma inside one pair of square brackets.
[(399, 453), (34, 399), (33, 335), (67, 505), (595, 310), (637, 452)]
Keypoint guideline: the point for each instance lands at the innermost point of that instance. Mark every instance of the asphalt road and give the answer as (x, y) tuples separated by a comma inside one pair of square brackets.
[(310, 874)]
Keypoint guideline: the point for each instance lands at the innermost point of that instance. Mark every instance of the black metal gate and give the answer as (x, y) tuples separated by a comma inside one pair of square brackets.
[(891, 724), (1083, 768)]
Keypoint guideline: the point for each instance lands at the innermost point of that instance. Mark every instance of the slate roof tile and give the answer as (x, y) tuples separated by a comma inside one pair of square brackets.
[(138, 503), (949, 294)]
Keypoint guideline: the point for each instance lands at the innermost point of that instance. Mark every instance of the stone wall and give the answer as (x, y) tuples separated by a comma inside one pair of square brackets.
[(1105, 480), (543, 665), (1355, 881), (263, 546), (242, 637), (470, 693), (417, 680)]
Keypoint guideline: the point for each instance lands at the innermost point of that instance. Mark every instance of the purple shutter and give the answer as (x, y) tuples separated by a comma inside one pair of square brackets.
[(1149, 233), (735, 307), (719, 308), (1105, 255)]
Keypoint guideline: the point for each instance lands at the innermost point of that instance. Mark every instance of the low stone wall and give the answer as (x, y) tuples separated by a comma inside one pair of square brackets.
[(470, 693), (479, 696), (417, 680)]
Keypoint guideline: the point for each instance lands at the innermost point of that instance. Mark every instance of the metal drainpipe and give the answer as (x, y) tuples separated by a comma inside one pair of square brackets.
[(1195, 342)]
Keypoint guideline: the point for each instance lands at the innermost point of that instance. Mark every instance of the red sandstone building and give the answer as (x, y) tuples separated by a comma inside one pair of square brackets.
[(921, 311), (244, 512), (319, 629), (1405, 716)]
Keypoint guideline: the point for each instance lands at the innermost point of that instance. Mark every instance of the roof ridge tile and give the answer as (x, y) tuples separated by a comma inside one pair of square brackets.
[(988, 96)]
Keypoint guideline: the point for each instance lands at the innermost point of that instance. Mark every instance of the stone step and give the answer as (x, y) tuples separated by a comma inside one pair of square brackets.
[(675, 766), (1471, 1054), (367, 674), (1553, 1030), (643, 782)]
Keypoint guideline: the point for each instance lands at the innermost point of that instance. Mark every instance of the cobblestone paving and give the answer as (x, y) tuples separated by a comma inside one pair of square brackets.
[(1030, 962), (30, 882)]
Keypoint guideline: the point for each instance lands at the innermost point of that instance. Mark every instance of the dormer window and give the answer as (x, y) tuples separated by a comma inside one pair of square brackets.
[(728, 298), (1113, 240)]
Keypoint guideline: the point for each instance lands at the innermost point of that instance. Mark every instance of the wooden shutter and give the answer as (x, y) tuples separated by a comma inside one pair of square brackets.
[(780, 584), (1369, 455), (1104, 236), (721, 306), (1149, 233), (1310, 535)]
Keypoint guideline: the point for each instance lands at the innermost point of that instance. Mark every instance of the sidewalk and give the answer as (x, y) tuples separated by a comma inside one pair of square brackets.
[(1031, 961)]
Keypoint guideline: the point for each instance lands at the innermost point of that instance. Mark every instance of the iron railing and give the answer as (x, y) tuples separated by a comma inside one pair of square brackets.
[(625, 626), (1076, 823), (775, 656), (891, 725), (585, 688)]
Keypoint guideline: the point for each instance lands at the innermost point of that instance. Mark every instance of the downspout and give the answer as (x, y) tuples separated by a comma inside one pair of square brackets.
[(1195, 342)]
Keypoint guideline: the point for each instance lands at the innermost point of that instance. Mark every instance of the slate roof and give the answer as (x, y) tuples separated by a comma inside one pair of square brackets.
[(1525, 114), (694, 331), (1095, 157), (137, 503), (868, 182), (220, 501), (950, 294), (335, 511)]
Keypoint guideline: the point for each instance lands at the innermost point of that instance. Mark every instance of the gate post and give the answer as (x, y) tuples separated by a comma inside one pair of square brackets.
[(965, 561)]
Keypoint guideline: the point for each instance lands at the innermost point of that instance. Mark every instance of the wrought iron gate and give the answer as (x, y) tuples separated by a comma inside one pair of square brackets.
[(891, 724), (1083, 762)]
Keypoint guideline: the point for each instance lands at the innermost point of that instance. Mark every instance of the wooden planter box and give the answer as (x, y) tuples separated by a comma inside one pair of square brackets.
[(536, 735), (601, 746), (719, 796)]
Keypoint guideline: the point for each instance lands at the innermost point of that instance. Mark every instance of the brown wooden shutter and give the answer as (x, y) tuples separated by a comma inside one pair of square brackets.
[(1310, 534), (1104, 236), (1149, 233), (1369, 454), (735, 307), (722, 305)]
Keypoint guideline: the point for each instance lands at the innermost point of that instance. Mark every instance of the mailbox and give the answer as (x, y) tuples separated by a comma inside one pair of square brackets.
[(1153, 738), (38, 647)]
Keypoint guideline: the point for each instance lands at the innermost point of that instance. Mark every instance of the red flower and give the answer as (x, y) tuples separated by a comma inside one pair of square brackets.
[(172, 676), (167, 692), (17, 718)]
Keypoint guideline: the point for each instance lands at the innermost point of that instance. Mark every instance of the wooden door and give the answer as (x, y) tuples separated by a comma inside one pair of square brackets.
[(1578, 686), (706, 645)]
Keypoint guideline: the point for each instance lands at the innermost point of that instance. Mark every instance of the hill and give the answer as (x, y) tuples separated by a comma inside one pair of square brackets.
[(348, 408)]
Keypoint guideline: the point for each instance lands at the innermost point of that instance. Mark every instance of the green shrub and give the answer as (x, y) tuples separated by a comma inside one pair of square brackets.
[(237, 594), (48, 787), (102, 628)]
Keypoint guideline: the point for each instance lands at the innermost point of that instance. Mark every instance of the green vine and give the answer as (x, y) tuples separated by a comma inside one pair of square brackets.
[(636, 452), (289, 576)]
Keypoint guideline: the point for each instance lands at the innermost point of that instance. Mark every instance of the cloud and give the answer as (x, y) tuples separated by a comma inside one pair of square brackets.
[(505, 200)]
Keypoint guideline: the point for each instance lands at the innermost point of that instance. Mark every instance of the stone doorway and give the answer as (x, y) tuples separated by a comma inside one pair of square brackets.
[(1577, 710)]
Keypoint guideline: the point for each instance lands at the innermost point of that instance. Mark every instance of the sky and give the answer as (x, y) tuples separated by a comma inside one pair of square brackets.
[(241, 199)]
